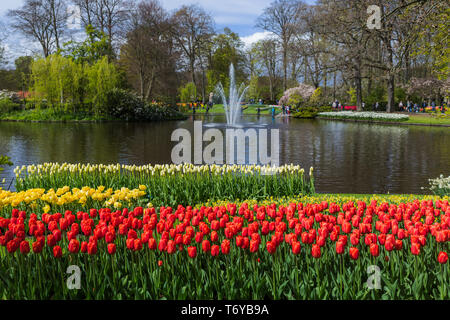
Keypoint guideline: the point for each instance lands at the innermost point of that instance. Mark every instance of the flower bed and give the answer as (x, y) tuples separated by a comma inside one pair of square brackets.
[(371, 116), (173, 184), (440, 186), (309, 248)]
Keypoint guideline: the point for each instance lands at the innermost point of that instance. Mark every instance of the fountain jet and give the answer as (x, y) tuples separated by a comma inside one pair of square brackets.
[(232, 106)]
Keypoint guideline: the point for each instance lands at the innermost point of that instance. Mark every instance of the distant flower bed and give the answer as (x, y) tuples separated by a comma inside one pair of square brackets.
[(364, 116), (440, 186)]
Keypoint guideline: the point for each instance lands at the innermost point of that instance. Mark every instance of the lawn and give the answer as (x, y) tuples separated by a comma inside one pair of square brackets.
[(429, 119), (249, 109)]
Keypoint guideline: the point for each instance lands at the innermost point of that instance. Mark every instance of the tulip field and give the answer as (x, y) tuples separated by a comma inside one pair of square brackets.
[(296, 247), (186, 232)]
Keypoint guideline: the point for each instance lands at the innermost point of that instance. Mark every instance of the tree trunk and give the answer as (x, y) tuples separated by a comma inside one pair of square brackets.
[(192, 72), (391, 79), (334, 86), (358, 80), (390, 92), (285, 65)]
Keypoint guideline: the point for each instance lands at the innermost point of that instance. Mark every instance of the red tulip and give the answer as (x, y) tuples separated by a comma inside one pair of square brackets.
[(374, 250), (442, 257), (315, 251), (152, 244), (37, 247), (354, 253), (74, 246), (271, 248), (111, 248), (137, 245), (192, 252), (206, 245), (415, 249), (225, 246), (24, 247), (254, 246), (296, 247), (214, 236), (57, 252), (171, 247), (340, 247), (215, 249), (92, 248)]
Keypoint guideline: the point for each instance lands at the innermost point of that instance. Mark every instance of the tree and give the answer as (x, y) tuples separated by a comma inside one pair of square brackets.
[(42, 21), (267, 53), (2, 54), (281, 18), (149, 47), (107, 16), (343, 25), (226, 49), (188, 93), (62, 82), (92, 49), (23, 71), (34, 22), (429, 89), (192, 29), (433, 39), (57, 10), (298, 95)]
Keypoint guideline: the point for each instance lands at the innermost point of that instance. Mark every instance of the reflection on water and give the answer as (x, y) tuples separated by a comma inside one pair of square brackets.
[(347, 157)]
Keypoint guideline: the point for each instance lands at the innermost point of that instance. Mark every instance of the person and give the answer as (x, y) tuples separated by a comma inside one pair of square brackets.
[(334, 105), (363, 105), (340, 106), (273, 112), (287, 110), (408, 105), (433, 105), (376, 106), (400, 106), (416, 107)]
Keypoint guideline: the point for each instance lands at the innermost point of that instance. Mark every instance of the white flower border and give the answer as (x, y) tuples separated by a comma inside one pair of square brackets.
[(364, 115)]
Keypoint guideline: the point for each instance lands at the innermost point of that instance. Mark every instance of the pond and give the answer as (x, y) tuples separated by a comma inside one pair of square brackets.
[(347, 157)]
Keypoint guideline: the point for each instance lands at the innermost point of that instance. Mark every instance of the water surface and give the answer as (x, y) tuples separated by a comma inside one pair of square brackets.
[(347, 157)]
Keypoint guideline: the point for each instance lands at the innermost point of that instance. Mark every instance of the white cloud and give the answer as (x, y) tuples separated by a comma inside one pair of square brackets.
[(251, 39)]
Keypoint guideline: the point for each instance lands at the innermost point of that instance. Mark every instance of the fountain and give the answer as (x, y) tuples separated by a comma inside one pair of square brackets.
[(232, 106)]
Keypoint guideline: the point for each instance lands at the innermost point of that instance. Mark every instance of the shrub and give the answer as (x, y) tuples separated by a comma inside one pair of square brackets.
[(4, 160), (122, 104), (310, 112), (7, 105), (188, 93)]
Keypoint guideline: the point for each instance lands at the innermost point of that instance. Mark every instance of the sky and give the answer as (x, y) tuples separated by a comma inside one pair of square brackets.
[(238, 15)]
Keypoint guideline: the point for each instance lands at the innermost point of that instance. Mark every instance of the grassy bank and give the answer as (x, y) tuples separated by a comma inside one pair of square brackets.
[(48, 115), (429, 120)]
